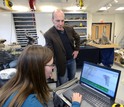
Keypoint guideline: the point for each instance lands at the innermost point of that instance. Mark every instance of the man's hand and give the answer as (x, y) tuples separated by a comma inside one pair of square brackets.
[(75, 54)]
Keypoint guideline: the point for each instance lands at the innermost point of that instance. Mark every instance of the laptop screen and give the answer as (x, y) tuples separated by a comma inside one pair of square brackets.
[(100, 78)]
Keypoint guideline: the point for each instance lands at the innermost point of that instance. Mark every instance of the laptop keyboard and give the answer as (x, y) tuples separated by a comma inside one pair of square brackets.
[(92, 98)]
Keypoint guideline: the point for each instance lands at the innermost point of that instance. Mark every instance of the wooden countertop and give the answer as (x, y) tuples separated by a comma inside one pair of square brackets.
[(103, 46)]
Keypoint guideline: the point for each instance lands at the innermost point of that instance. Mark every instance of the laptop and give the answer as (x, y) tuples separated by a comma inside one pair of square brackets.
[(98, 86)]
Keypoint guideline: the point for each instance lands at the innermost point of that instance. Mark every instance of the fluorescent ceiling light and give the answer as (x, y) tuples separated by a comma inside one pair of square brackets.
[(20, 8), (120, 8), (73, 8), (48, 8), (116, 1), (110, 4), (104, 8)]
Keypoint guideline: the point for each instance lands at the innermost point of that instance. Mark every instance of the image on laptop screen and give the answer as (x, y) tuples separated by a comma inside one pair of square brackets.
[(101, 78)]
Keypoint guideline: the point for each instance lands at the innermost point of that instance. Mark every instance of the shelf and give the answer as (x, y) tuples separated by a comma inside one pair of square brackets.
[(78, 20), (83, 36), (80, 27), (24, 23), (23, 17), (75, 20), (26, 29)]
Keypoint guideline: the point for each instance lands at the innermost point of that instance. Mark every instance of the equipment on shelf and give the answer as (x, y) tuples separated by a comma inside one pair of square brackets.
[(2, 43), (31, 39)]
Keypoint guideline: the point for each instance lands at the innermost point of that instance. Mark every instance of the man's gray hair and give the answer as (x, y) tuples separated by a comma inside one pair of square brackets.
[(55, 11)]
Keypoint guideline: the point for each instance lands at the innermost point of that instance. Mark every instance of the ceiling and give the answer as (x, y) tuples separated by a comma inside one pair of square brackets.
[(92, 6)]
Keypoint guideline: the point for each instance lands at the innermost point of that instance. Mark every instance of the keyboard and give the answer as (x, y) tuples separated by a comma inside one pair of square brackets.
[(92, 98)]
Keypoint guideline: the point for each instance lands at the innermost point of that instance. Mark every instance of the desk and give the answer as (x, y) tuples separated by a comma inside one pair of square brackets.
[(106, 53), (119, 96), (88, 53), (59, 90), (96, 55), (103, 46), (107, 56)]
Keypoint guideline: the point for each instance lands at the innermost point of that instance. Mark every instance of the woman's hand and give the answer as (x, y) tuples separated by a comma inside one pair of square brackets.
[(76, 97)]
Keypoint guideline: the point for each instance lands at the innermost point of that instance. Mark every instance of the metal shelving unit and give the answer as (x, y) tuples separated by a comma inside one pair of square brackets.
[(24, 23), (78, 21)]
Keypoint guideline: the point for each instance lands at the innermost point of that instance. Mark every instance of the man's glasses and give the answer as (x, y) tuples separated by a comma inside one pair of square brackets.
[(52, 65)]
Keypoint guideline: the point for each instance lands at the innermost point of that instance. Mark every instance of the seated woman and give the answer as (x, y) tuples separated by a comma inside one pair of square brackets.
[(28, 88)]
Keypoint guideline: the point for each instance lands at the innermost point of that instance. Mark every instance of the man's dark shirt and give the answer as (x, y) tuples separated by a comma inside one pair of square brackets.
[(66, 44)]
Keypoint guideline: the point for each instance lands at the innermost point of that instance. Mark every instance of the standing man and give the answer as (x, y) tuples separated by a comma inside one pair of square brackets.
[(65, 43)]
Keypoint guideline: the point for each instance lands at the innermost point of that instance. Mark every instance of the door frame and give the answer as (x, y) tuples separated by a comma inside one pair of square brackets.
[(105, 23)]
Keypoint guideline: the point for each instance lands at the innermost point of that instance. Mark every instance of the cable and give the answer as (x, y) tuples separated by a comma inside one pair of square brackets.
[(66, 85)]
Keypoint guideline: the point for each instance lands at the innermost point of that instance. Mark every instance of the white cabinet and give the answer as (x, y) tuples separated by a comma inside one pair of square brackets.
[(78, 21)]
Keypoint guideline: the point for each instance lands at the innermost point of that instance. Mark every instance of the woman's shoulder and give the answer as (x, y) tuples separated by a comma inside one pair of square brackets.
[(32, 101)]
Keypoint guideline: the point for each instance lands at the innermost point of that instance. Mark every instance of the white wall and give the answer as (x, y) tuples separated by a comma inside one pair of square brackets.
[(7, 30), (44, 22), (117, 21), (119, 28), (89, 24), (97, 18)]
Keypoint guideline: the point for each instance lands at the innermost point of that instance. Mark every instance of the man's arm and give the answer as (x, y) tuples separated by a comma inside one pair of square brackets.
[(49, 43), (76, 40), (76, 45)]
